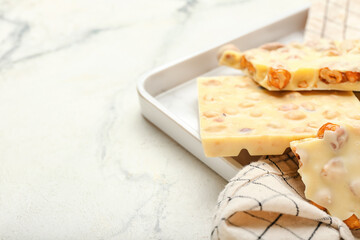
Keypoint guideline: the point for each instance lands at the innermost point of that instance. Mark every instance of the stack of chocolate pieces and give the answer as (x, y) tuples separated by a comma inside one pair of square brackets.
[(297, 95)]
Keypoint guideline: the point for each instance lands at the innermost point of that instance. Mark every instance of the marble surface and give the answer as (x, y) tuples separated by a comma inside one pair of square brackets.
[(77, 159)]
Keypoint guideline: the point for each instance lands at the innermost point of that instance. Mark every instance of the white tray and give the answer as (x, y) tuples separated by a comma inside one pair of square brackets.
[(168, 94)]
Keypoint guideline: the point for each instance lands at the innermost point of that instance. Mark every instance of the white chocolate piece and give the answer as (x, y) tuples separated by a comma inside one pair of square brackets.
[(319, 65), (234, 117), (331, 170)]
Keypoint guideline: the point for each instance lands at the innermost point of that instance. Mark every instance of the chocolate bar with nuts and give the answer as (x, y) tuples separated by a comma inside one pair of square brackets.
[(329, 167), (316, 65), (235, 114)]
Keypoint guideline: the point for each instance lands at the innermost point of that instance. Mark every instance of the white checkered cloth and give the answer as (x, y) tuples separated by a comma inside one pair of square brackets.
[(333, 19), (265, 201)]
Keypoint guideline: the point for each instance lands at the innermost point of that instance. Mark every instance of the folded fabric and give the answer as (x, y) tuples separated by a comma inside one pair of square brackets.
[(265, 200)]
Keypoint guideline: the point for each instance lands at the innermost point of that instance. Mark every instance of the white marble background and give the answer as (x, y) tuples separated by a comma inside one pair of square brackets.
[(77, 159)]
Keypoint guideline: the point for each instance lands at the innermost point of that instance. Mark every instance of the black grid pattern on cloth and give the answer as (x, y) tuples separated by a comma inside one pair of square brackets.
[(319, 27), (281, 170)]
